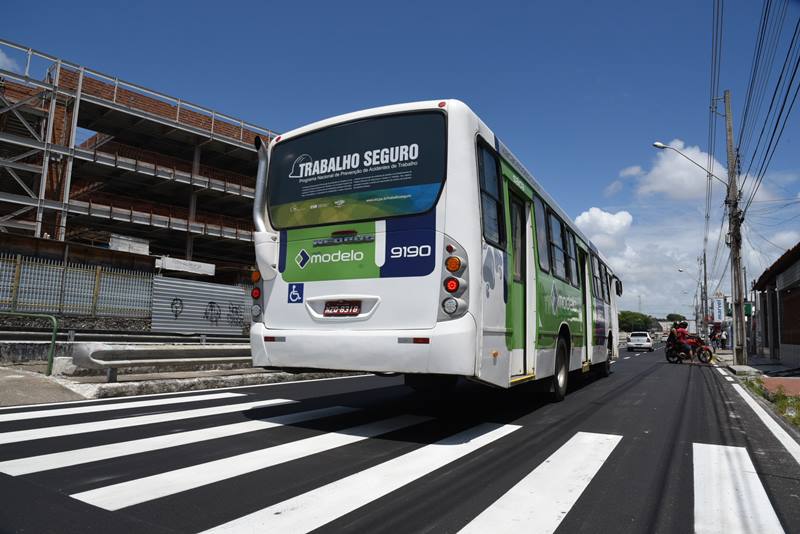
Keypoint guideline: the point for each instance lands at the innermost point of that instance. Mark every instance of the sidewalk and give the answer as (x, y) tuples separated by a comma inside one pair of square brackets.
[(20, 386), (757, 365)]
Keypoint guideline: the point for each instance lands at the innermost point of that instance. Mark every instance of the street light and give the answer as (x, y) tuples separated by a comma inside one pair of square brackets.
[(661, 146)]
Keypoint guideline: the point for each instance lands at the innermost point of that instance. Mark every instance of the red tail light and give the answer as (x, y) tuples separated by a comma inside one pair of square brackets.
[(256, 293), (451, 285)]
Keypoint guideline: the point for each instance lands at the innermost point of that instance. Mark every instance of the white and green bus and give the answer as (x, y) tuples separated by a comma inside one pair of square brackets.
[(409, 239)]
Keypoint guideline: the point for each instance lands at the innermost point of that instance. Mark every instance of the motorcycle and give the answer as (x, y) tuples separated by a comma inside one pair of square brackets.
[(675, 354)]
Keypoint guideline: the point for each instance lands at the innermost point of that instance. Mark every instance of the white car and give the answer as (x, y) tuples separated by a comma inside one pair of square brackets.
[(640, 341)]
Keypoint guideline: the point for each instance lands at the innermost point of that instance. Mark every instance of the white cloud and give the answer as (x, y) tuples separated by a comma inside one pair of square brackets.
[(676, 177), (633, 170), (7, 63), (597, 221), (786, 238), (613, 188)]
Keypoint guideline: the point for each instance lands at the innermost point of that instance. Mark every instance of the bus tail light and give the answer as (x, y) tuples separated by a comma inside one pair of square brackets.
[(454, 293), (255, 293), (452, 284), (453, 264)]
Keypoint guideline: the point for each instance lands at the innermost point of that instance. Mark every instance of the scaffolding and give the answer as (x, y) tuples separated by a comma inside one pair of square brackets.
[(84, 153)]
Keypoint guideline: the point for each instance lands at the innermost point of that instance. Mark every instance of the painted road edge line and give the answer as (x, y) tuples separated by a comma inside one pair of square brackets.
[(542, 499), (780, 434)]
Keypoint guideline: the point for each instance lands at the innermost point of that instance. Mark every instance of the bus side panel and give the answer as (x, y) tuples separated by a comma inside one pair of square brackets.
[(494, 362)]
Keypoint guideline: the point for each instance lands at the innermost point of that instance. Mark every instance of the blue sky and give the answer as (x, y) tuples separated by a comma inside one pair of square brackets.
[(578, 90)]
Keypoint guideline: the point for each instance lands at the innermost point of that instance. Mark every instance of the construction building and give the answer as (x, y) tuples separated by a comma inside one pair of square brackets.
[(88, 159)]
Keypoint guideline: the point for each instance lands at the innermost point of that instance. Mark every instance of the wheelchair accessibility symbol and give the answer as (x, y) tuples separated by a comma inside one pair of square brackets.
[(295, 293)]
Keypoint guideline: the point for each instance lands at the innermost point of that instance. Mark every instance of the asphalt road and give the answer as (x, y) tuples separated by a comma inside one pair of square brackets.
[(652, 448)]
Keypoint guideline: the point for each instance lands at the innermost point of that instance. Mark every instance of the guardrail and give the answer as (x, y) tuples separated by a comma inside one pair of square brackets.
[(113, 356), (53, 319)]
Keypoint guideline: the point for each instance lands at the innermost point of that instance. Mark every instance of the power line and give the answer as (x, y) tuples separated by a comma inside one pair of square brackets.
[(779, 86)]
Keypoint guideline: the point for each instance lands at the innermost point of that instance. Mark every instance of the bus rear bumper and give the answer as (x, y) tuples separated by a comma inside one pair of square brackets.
[(451, 349)]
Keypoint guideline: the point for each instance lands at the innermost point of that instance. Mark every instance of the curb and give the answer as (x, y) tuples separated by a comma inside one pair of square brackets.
[(178, 385)]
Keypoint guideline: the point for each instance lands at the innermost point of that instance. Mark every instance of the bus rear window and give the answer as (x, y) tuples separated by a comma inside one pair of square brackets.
[(368, 169)]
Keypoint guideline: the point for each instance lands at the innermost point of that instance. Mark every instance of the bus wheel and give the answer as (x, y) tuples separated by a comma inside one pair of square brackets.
[(559, 380), (605, 367), (430, 384)]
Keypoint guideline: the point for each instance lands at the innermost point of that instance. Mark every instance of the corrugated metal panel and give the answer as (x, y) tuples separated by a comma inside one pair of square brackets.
[(189, 307), (788, 277)]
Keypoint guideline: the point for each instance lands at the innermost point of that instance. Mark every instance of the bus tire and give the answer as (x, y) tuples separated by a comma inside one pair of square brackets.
[(561, 372), (605, 367)]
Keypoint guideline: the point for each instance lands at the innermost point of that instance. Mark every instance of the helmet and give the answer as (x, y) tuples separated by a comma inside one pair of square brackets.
[(683, 324)]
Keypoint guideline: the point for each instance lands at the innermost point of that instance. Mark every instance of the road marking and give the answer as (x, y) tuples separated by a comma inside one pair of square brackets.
[(96, 426), (780, 434), (146, 489), (57, 460), (317, 507), (728, 495), (186, 394), (37, 414), (626, 358), (542, 499), (722, 371), (638, 354), (729, 379)]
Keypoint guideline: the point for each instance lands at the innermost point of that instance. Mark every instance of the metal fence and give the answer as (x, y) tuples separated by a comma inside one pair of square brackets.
[(51, 286), (192, 307)]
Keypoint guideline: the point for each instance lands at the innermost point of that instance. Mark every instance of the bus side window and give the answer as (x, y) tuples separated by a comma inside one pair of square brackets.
[(596, 288), (541, 234), (604, 282), (518, 238), (491, 207), (557, 247), (572, 254)]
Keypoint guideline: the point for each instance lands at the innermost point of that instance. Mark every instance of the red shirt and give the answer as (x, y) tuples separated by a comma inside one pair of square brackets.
[(682, 334)]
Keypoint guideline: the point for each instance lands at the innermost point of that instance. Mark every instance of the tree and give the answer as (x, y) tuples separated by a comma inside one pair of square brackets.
[(675, 317), (630, 321)]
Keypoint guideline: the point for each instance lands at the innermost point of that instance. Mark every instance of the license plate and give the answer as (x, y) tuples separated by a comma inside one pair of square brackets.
[(342, 308)]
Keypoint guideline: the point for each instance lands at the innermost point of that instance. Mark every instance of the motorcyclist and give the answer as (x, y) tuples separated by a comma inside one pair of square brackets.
[(682, 338)]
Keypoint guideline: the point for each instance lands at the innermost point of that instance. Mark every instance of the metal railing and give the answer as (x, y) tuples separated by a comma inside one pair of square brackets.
[(129, 95)]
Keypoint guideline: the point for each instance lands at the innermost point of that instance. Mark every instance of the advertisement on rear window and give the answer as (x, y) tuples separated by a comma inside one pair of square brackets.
[(369, 169)]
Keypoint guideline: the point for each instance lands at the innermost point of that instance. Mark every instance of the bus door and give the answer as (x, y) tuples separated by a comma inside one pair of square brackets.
[(588, 319), (516, 311)]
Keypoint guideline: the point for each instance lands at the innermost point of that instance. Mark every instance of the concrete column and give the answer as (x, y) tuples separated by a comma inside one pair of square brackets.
[(193, 202)]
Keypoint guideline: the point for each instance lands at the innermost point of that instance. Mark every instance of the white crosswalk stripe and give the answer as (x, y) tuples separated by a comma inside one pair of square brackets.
[(541, 500), (317, 507), (57, 412), (728, 495), (125, 422), (56, 460), (146, 489)]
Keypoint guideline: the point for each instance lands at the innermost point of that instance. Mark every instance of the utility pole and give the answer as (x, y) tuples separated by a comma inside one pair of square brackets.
[(735, 235), (705, 296)]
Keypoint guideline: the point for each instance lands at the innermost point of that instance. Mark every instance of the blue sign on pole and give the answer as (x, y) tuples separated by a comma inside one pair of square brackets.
[(295, 295)]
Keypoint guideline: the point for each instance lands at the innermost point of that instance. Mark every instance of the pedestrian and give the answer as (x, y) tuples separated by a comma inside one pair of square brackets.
[(724, 338)]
